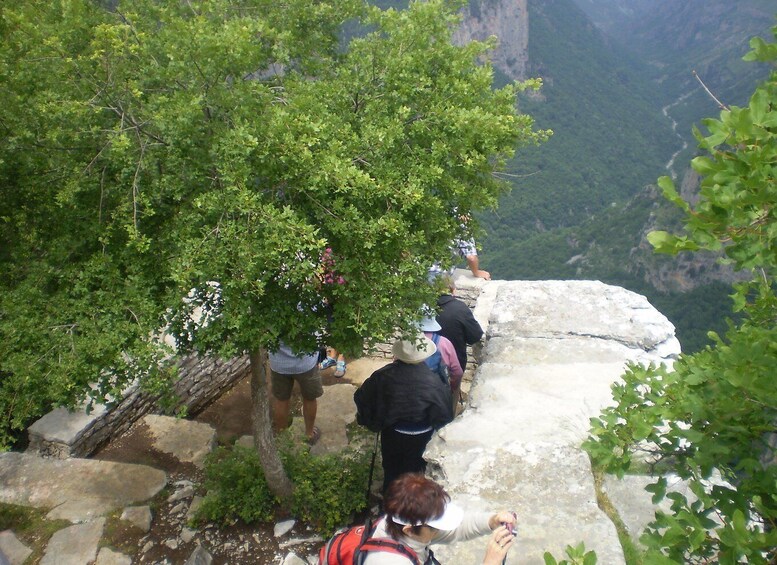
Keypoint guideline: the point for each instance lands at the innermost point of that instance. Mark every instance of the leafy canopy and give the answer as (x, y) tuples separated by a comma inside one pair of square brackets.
[(166, 161), (712, 418)]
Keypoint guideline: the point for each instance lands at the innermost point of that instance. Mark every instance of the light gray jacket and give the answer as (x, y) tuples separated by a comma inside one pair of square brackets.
[(472, 526)]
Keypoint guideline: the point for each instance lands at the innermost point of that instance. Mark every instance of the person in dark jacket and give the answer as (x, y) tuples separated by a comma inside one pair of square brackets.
[(458, 323), (406, 402)]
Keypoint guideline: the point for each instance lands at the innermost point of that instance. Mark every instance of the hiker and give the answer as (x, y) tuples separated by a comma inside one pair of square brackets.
[(466, 248), (336, 360), (457, 322), (419, 513), (285, 368), (406, 402), (462, 249), (330, 276), (447, 356)]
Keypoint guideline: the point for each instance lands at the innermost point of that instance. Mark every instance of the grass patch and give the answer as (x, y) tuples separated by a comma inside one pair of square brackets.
[(31, 526), (120, 535)]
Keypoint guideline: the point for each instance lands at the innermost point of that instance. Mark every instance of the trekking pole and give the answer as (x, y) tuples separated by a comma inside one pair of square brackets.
[(372, 468)]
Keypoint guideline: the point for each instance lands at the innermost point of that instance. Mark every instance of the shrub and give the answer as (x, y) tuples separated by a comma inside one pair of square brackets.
[(328, 489)]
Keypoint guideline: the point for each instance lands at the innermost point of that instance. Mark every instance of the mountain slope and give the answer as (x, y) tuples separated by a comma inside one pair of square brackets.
[(609, 139)]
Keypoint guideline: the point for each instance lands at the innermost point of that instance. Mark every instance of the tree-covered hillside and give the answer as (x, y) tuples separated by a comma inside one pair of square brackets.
[(676, 39), (608, 140), (571, 214)]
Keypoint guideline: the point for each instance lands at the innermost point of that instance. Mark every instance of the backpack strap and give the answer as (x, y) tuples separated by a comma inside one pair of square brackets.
[(385, 544)]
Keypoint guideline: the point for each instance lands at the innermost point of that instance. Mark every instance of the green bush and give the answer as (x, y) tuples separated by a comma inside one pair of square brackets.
[(328, 489), (236, 488)]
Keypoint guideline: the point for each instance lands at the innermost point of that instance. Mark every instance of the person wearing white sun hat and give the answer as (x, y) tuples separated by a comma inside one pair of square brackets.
[(406, 402), (419, 513)]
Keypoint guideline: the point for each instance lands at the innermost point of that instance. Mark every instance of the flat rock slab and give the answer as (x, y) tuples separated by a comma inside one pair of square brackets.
[(358, 370), (14, 550), (187, 441), (110, 557), (74, 545), (553, 350), (77, 490), (591, 309), (65, 426)]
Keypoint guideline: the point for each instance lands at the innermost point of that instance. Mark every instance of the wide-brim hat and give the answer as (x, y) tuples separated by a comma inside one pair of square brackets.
[(414, 351), (449, 520), (429, 324)]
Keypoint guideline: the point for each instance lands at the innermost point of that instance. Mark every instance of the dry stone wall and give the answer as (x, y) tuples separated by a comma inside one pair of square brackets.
[(66, 433)]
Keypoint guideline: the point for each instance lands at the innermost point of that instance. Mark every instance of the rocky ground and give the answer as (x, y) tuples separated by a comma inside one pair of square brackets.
[(170, 539)]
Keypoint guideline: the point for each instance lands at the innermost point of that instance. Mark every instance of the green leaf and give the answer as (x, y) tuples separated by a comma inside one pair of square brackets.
[(670, 193)]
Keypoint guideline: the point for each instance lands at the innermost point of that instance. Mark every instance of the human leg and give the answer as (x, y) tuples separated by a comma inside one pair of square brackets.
[(281, 391), (310, 388), (340, 366), (402, 453), (280, 414)]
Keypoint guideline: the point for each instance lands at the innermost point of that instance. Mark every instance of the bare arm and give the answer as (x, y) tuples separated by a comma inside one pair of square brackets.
[(474, 265)]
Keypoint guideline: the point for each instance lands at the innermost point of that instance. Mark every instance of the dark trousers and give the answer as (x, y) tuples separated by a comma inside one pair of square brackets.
[(402, 453)]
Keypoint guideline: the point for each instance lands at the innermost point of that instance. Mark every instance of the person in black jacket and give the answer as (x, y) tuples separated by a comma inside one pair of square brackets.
[(406, 402), (458, 323)]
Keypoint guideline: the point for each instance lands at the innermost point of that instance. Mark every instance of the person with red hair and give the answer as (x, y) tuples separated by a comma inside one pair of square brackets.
[(419, 513)]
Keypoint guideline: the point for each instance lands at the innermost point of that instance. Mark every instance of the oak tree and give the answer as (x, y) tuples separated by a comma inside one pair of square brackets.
[(185, 164)]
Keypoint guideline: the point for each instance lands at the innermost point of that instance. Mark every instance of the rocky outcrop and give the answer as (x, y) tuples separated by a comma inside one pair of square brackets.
[(78, 490), (508, 20), (553, 350)]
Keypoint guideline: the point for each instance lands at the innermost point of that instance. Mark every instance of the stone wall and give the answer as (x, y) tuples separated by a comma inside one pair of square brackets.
[(66, 433), (468, 290)]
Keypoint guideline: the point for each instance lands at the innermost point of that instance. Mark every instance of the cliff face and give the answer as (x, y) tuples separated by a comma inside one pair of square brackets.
[(508, 20), (553, 349)]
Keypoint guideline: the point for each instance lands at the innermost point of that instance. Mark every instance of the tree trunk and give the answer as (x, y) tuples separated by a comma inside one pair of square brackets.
[(264, 440)]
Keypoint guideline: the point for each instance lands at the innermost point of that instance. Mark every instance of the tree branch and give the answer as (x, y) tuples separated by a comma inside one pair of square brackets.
[(720, 104)]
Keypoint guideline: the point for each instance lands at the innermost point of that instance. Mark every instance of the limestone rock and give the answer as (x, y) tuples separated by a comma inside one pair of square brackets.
[(185, 440), (199, 556), (187, 534), (283, 528), (13, 549), (109, 557), (335, 411), (74, 545), (76, 489), (553, 350), (293, 559), (138, 516), (193, 507)]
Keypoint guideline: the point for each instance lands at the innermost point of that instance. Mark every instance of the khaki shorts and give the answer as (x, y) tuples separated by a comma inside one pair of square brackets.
[(309, 384)]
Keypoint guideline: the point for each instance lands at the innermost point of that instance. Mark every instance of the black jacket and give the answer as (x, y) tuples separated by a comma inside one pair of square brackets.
[(403, 392), (458, 325)]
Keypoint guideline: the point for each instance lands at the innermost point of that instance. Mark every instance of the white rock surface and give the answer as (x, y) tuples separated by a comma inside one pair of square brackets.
[(138, 516), (109, 557), (283, 528), (553, 350), (76, 489)]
